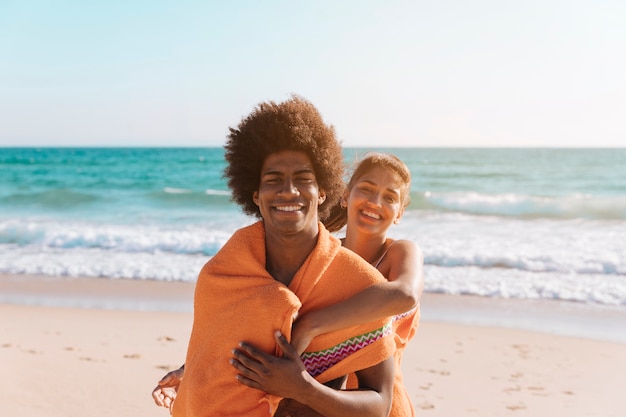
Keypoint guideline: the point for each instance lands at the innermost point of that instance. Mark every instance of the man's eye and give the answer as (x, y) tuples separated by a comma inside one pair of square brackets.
[(305, 180)]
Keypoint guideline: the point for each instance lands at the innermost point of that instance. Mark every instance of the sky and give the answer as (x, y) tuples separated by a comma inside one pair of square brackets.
[(447, 73)]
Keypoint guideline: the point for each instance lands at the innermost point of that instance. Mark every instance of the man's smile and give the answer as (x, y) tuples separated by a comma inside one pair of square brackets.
[(289, 208)]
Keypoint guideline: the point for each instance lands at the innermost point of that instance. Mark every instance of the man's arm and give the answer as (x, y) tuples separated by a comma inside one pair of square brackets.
[(287, 377)]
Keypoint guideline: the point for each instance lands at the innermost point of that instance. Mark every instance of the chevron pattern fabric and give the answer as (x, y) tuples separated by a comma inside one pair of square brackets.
[(403, 315), (318, 362)]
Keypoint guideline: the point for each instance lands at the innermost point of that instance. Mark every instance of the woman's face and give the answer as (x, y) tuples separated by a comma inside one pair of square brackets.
[(375, 200)]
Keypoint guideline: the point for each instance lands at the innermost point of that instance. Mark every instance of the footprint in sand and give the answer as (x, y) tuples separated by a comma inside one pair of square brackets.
[(166, 339), (509, 390), (434, 371), (440, 372), (167, 368), (426, 405), (426, 387), (89, 359), (522, 350), (132, 356), (516, 407)]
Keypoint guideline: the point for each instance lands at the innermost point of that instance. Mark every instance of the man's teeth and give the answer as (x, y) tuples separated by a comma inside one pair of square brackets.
[(287, 208), (371, 214)]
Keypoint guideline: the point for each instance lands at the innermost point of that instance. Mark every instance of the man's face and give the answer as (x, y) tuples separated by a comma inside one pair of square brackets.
[(288, 195)]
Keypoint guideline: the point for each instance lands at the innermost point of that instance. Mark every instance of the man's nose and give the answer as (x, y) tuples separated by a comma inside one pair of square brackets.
[(289, 188)]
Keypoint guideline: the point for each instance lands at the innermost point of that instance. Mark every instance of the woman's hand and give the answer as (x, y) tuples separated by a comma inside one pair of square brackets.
[(164, 393), (301, 335)]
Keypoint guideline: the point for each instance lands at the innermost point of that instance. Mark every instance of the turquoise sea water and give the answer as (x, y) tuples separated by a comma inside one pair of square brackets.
[(512, 223)]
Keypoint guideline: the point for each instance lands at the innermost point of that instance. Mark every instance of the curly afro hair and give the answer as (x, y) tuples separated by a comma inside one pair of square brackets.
[(293, 125)]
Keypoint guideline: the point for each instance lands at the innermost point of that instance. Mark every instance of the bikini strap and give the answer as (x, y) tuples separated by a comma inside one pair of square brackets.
[(379, 260)]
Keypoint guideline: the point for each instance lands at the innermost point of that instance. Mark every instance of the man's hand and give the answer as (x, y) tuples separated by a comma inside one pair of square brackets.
[(283, 377)]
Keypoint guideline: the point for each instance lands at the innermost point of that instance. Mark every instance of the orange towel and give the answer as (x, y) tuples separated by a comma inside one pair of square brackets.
[(404, 328), (236, 300)]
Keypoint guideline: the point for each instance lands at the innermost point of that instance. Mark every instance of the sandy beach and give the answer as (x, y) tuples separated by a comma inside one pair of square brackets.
[(62, 359)]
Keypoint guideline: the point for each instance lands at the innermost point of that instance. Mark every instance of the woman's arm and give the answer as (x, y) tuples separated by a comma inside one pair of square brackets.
[(165, 392), (286, 377), (403, 268)]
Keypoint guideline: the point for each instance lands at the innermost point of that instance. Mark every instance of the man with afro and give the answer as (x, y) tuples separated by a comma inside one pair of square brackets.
[(285, 167)]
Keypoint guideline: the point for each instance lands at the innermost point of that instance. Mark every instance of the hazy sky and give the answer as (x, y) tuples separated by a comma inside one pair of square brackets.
[(384, 73)]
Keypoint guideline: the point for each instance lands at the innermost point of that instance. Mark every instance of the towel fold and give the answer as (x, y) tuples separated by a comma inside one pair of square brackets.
[(237, 300), (404, 328)]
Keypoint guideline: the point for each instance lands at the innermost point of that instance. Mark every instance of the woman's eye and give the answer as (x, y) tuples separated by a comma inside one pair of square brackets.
[(393, 198)]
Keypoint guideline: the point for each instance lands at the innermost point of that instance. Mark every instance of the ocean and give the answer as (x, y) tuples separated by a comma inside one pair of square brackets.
[(502, 223)]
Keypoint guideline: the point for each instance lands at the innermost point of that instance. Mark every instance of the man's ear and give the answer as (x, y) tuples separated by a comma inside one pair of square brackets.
[(321, 198), (255, 197)]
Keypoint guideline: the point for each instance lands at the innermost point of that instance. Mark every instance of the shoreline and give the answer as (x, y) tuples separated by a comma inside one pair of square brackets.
[(74, 362), (69, 360), (564, 318)]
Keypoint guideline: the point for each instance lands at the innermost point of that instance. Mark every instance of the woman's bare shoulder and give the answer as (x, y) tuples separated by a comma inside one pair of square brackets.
[(404, 246)]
